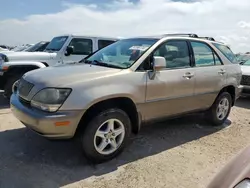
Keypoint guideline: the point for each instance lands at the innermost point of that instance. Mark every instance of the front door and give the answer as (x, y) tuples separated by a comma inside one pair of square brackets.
[(171, 91), (82, 48)]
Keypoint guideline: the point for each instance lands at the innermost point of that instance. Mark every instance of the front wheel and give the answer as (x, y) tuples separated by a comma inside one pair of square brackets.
[(220, 110), (106, 135)]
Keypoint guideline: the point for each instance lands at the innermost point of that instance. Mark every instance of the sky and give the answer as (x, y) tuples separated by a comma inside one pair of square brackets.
[(30, 21)]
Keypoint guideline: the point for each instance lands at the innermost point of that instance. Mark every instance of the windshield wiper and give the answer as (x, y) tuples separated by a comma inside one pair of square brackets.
[(84, 61), (96, 62), (106, 64), (51, 49)]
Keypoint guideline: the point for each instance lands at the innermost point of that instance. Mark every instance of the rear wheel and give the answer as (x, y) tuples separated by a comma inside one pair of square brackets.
[(9, 84), (220, 110), (106, 135)]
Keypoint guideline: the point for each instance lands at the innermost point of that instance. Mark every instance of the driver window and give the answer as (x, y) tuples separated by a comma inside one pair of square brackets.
[(81, 46), (176, 54)]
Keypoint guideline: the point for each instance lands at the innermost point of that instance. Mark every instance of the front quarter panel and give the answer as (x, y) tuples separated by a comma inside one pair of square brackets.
[(125, 84)]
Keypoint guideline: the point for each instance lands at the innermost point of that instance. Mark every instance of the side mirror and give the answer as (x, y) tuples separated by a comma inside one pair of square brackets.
[(241, 62), (69, 50), (159, 63)]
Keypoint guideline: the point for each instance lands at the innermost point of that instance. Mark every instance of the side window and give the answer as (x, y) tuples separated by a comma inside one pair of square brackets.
[(203, 54), (81, 46), (104, 43), (225, 50), (217, 60), (176, 54)]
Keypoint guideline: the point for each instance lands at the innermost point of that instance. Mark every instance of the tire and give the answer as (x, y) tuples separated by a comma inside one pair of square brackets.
[(213, 113), (8, 85), (91, 142)]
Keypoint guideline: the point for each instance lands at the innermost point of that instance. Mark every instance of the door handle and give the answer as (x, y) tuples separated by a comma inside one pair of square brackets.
[(222, 71), (188, 75)]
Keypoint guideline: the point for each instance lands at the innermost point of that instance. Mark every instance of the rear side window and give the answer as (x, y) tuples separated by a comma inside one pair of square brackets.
[(81, 46), (104, 43), (204, 55), (225, 50)]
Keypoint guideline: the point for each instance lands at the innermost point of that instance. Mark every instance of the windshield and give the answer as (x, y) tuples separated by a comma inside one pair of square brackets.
[(247, 63), (37, 47), (243, 58), (56, 43), (121, 54)]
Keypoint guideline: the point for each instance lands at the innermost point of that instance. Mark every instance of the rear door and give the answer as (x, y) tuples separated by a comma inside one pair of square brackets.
[(210, 74)]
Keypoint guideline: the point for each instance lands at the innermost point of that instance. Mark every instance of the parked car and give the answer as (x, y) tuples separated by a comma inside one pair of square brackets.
[(236, 173), (38, 47), (113, 91), (245, 81), (243, 57), (4, 47), (21, 48), (61, 50)]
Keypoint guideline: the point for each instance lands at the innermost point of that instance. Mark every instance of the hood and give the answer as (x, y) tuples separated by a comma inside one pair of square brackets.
[(236, 170), (245, 70), (6, 52), (62, 76), (15, 56)]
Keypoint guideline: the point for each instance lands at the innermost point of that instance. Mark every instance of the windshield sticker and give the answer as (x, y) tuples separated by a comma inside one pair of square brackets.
[(141, 48)]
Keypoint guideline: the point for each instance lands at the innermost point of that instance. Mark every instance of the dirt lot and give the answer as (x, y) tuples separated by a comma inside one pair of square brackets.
[(186, 152)]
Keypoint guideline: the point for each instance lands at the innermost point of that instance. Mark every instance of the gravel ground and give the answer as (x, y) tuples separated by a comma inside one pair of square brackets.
[(185, 152)]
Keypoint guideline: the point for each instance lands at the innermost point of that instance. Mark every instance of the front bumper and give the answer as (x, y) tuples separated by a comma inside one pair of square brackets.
[(43, 123)]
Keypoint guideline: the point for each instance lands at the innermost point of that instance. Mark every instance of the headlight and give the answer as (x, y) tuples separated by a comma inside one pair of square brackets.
[(50, 99), (243, 184)]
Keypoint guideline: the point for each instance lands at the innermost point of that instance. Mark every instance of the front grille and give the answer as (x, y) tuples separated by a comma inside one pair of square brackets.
[(24, 87), (245, 80), (246, 91)]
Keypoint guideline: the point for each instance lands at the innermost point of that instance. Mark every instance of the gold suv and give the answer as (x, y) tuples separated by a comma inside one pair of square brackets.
[(112, 92)]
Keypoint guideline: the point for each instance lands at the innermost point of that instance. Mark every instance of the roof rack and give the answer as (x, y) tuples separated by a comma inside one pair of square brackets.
[(183, 34), (208, 38), (190, 35)]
